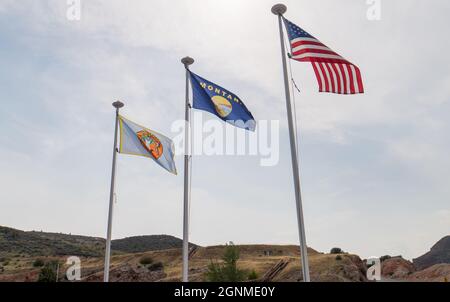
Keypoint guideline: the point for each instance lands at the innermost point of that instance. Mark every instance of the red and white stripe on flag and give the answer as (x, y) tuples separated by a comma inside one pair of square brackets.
[(334, 73), (338, 78)]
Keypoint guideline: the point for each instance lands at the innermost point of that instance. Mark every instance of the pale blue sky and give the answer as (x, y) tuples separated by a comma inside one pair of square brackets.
[(374, 166)]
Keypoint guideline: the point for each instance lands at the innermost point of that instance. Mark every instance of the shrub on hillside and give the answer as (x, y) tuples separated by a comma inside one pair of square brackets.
[(336, 250), (384, 258), (228, 271), (146, 260), (252, 275), (48, 272), (157, 266), (38, 263)]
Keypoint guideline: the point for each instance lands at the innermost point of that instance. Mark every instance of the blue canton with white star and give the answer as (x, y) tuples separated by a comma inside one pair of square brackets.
[(295, 32)]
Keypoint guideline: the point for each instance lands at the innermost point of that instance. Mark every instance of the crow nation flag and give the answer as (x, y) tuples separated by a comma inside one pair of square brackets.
[(220, 102), (138, 140)]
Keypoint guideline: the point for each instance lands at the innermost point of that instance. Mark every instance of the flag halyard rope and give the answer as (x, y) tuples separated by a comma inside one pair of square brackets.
[(293, 85)]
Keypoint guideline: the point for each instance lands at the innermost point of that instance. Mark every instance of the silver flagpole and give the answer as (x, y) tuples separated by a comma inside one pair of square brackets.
[(279, 10), (116, 105), (186, 61)]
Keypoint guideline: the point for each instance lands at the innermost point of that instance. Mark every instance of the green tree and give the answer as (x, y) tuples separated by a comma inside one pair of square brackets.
[(228, 270), (253, 275), (48, 272), (38, 263), (384, 258), (146, 260), (336, 250)]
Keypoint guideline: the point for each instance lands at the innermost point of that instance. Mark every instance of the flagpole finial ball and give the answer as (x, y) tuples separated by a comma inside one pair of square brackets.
[(118, 104), (187, 61), (279, 9)]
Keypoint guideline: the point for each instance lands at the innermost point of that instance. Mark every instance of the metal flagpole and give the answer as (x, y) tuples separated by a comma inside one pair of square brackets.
[(279, 10), (186, 61), (116, 105)]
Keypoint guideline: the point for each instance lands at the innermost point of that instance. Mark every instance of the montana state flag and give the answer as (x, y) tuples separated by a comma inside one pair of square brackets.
[(220, 102), (138, 140)]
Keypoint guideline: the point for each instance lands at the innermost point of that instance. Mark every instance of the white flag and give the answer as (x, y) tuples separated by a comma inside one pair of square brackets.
[(138, 140)]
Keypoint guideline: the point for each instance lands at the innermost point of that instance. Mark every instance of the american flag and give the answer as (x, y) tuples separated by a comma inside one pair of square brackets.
[(334, 73)]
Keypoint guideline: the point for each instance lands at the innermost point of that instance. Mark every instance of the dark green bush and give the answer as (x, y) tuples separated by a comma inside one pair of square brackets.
[(146, 260), (384, 258), (338, 257), (48, 272), (252, 275), (157, 266), (228, 271), (38, 263), (336, 250)]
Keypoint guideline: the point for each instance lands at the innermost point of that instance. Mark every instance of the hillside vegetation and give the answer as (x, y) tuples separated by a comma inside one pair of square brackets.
[(140, 244), (166, 265), (25, 255), (16, 242), (33, 243)]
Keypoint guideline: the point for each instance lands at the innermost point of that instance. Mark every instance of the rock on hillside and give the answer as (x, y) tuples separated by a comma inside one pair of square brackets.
[(435, 273), (396, 268), (439, 253), (327, 268), (129, 273)]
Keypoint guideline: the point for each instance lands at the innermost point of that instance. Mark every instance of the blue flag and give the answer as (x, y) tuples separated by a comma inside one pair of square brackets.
[(220, 102)]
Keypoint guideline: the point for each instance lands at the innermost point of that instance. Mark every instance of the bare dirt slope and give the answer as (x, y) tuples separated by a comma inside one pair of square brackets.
[(435, 273)]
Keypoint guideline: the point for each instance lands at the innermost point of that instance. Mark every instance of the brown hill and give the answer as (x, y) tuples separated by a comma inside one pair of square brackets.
[(396, 268), (435, 273), (439, 253), (139, 244), (19, 251), (16, 242), (261, 258)]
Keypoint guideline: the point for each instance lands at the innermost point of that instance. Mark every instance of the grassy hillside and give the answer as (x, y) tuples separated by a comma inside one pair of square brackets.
[(33, 243), (158, 258), (259, 258), (15, 242), (140, 244)]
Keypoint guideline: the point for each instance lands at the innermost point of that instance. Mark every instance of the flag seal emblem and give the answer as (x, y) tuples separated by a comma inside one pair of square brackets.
[(222, 105), (151, 143)]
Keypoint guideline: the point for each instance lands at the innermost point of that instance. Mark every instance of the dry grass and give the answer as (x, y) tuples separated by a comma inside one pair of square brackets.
[(260, 258)]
